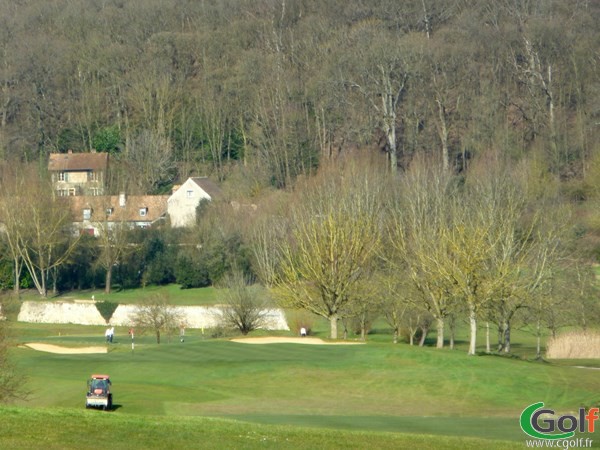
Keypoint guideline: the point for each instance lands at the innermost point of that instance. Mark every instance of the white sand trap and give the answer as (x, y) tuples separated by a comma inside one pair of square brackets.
[(66, 350), (291, 340)]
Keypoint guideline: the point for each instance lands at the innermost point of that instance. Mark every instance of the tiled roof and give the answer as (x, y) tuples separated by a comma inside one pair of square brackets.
[(156, 207), (208, 186), (77, 161)]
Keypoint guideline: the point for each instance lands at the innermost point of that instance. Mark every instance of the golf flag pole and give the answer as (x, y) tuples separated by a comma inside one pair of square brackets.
[(132, 342)]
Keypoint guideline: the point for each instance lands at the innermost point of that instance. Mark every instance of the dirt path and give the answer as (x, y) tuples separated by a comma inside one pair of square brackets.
[(290, 340), (65, 350)]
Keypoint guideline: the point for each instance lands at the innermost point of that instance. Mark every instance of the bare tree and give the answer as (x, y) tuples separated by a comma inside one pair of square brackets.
[(149, 154), (244, 306), (12, 220), (113, 236), (417, 233), (157, 315), (381, 77), (334, 234), (37, 226)]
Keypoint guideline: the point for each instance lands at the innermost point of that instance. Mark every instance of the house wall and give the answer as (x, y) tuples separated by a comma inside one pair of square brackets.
[(182, 208), (80, 181), (78, 177)]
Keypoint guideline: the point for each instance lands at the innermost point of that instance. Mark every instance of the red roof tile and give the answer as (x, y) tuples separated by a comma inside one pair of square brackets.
[(156, 207), (77, 161)]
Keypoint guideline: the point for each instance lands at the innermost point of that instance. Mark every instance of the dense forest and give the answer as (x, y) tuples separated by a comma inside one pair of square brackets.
[(268, 89), (274, 99)]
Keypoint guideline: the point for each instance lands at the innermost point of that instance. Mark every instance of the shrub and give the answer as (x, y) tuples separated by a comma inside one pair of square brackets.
[(191, 273), (574, 345), (10, 305), (245, 306), (106, 309), (299, 319)]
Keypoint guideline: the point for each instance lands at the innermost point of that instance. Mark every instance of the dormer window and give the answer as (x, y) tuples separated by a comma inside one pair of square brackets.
[(109, 211), (87, 213), (143, 212)]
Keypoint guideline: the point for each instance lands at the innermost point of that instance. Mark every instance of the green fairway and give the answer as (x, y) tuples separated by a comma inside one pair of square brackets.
[(71, 429), (376, 388)]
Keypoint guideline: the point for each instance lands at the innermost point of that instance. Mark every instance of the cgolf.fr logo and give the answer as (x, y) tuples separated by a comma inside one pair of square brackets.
[(541, 423)]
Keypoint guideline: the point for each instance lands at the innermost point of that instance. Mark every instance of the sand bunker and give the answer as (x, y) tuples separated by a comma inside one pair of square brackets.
[(66, 350), (291, 340)]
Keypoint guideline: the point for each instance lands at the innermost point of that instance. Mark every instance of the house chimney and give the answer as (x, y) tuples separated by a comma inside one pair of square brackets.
[(122, 200)]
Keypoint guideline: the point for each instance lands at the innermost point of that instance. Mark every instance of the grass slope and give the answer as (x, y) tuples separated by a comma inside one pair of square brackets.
[(176, 295)]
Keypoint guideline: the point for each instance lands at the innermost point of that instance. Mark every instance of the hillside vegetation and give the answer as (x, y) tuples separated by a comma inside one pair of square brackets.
[(259, 92)]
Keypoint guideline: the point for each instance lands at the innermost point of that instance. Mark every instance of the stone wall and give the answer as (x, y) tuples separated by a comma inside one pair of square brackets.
[(84, 312)]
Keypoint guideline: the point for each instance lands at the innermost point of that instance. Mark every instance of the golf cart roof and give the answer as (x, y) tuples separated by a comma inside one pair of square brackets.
[(100, 377)]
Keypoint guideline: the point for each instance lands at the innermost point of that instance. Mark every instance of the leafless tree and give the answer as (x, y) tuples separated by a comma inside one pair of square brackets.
[(244, 305), (37, 226), (334, 234), (157, 315)]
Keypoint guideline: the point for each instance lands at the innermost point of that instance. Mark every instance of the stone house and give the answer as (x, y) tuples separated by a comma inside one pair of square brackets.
[(94, 214), (185, 199), (75, 174)]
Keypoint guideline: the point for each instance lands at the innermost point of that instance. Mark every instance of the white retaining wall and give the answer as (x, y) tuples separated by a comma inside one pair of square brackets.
[(84, 312)]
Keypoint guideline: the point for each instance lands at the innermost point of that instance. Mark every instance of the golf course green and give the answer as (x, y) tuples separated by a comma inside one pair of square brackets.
[(215, 393)]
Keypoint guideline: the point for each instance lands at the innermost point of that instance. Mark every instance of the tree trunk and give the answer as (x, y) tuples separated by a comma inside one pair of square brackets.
[(333, 320), (108, 280), (17, 286), (506, 336), (363, 327), (443, 132), (440, 332), (43, 289), (473, 328), (396, 333), (424, 332), (488, 348), (452, 332), (394, 160), (158, 336)]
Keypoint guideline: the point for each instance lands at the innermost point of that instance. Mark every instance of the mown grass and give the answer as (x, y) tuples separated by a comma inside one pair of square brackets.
[(177, 296), (213, 393), (377, 387), (70, 429)]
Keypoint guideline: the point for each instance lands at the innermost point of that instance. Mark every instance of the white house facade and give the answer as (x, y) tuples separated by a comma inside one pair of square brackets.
[(181, 206)]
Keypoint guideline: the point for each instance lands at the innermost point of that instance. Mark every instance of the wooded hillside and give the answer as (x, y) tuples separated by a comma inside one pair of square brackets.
[(264, 90)]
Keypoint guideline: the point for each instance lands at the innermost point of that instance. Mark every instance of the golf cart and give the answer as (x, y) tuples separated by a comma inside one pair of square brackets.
[(99, 395)]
